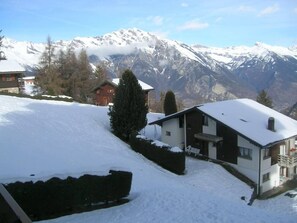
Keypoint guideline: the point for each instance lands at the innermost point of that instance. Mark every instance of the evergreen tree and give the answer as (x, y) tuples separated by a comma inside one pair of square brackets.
[(264, 99), (170, 106), (128, 113)]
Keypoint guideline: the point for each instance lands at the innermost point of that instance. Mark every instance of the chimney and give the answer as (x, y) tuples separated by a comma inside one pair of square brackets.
[(271, 124)]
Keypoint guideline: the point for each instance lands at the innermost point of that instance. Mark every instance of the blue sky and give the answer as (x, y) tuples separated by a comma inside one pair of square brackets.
[(218, 23)]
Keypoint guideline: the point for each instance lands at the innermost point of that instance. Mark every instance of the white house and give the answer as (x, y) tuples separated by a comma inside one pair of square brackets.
[(258, 141)]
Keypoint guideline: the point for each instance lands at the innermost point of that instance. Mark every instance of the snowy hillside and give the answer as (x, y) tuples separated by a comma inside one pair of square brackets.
[(42, 139)]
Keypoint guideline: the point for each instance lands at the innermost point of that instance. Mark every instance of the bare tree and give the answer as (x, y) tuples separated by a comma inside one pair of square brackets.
[(48, 56), (48, 78)]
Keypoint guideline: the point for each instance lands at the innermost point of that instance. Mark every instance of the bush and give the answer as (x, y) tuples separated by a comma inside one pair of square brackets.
[(56, 197), (40, 97), (162, 155)]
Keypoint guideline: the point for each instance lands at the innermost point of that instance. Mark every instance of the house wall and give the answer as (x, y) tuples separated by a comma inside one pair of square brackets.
[(211, 129), (246, 166), (251, 168), (172, 134), (227, 150), (291, 146), (274, 177), (104, 95), (29, 81), (193, 126), (270, 165), (9, 82), (14, 90)]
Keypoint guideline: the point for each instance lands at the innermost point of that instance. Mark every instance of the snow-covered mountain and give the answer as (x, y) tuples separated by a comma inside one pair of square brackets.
[(195, 73), (234, 57), (273, 68)]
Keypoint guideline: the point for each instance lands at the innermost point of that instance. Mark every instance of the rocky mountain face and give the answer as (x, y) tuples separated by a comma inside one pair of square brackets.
[(271, 68), (196, 74)]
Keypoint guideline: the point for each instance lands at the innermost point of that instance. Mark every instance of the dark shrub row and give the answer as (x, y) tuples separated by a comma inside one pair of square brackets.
[(173, 161), (39, 97), (56, 197)]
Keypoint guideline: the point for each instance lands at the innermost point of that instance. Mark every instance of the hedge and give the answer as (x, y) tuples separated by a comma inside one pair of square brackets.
[(39, 97), (57, 197), (162, 155)]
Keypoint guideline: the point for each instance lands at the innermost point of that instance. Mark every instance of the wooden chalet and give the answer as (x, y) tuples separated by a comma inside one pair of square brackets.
[(105, 91), (259, 142), (10, 76)]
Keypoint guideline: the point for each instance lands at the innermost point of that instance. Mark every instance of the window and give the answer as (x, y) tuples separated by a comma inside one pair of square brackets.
[(189, 126), (168, 133), (267, 154), (245, 153), (181, 122), (8, 77), (265, 177), (205, 120)]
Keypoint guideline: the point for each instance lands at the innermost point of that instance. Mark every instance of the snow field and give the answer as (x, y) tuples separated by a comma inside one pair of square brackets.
[(48, 138)]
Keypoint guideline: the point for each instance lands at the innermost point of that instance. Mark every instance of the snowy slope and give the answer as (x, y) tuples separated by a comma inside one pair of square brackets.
[(41, 139)]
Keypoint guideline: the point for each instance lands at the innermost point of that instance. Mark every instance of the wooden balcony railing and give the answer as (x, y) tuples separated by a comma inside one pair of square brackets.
[(287, 161)]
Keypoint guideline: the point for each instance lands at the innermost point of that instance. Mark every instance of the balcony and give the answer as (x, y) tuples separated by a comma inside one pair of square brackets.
[(287, 161)]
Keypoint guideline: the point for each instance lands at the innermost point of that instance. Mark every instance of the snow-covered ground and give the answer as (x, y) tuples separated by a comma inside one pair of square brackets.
[(42, 139)]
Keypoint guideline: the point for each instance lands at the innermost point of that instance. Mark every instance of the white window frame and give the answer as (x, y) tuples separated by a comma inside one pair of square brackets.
[(267, 153), (265, 177), (245, 153)]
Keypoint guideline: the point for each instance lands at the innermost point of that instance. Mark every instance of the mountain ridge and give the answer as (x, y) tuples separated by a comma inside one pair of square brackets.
[(195, 73)]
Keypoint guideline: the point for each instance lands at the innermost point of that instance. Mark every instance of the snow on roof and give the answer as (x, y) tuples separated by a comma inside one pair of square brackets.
[(250, 118), (143, 85), (29, 78), (10, 66)]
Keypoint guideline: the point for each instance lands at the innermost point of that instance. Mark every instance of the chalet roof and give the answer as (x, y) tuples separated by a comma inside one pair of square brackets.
[(247, 117), (143, 85), (115, 82), (9, 66)]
